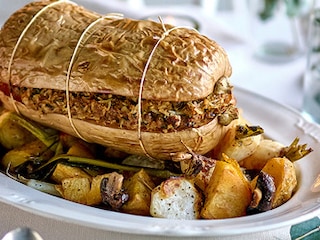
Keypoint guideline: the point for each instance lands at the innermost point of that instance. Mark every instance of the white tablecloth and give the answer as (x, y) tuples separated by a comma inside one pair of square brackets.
[(280, 82)]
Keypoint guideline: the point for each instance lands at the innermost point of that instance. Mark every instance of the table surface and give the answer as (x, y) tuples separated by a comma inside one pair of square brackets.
[(280, 82)]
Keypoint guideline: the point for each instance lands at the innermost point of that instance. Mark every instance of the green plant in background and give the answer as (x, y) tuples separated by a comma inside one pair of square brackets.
[(293, 7)]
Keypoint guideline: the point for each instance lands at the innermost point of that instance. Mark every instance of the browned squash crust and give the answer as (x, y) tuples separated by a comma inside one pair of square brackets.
[(187, 69)]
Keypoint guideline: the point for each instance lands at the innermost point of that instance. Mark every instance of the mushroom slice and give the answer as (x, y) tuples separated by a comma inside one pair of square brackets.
[(263, 194), (112, 192)]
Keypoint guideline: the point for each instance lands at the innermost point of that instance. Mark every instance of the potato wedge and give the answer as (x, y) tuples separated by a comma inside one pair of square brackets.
[(63, 171), (29, 151), (285, 179), (228, 193), (139, 188), (176, 198), (75, 189)]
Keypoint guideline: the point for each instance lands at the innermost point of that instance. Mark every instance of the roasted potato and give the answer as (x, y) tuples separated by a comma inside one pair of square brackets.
[(30, 151), (283, 172), (75, 189), (80, 149), (85, 190), (268, 149), (238, 148), (12, 135), (228, 193), (63, 171), (139, 188), (176, 198)]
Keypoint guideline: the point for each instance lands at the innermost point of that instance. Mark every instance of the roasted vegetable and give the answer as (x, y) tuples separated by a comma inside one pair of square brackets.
[(139, 188), (41, 186), (263, 194), (63, 171), (197, 166), (105, 188), (112, 191), (285, 179), (35, 152), (265, 150), (295, 151), (283, 172), (144, 162), (80, 149), (46, 135), (268, 149), (176, 198), (98, 163), (12, 135), (228, 193), (75, 189), (139, 86), (239, 142), (14, 127), (94, 197)]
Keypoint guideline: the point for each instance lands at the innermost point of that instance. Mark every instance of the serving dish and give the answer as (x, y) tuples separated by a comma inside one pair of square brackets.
[(279, 122)]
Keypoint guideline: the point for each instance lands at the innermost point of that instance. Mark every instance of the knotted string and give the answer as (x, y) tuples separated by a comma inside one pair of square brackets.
[(73, 57), (80, 42)]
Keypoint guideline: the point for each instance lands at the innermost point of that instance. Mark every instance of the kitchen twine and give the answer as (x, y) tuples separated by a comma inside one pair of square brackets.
[(163, 36), (73, 57), (23, 33), (80, 42)]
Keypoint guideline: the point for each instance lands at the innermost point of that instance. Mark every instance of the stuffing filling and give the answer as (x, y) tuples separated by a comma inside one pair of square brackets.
[(122, 112)]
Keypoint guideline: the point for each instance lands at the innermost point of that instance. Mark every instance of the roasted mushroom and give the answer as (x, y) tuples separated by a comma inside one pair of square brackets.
[(263, 194), (112, 192)]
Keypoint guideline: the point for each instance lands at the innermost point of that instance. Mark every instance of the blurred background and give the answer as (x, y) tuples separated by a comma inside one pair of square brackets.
[(239, 26)]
